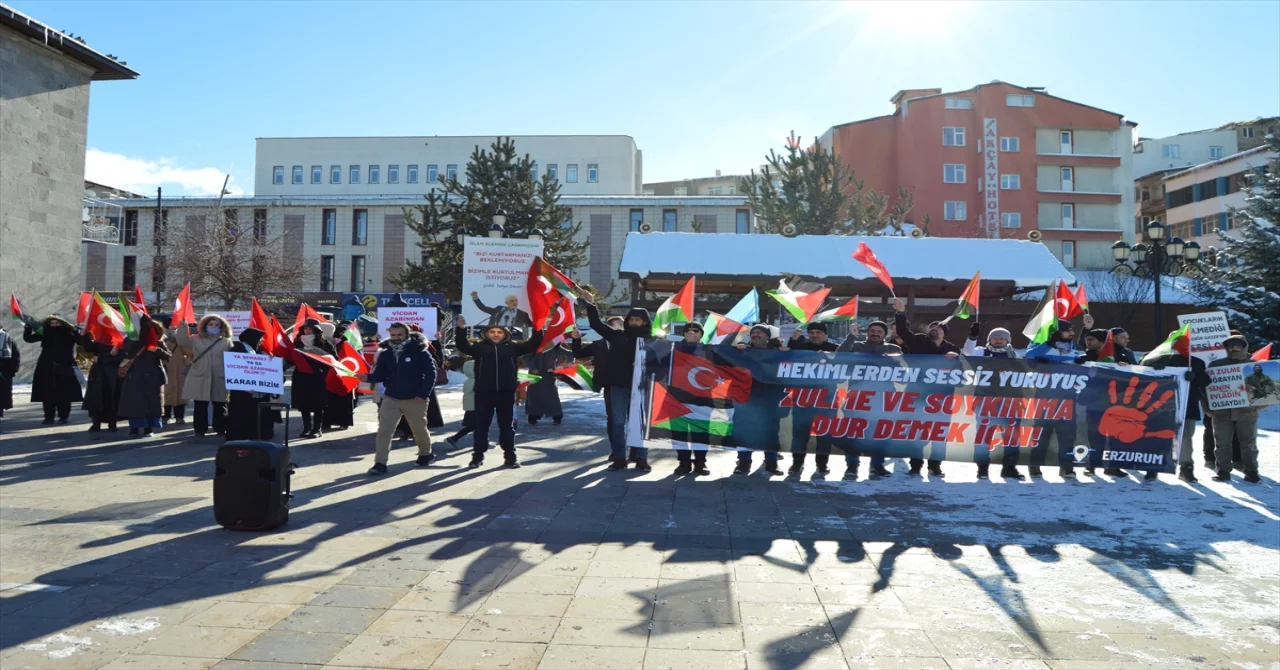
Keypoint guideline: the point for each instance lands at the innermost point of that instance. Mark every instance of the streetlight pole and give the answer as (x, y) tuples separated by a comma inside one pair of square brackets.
[(1161, 255)]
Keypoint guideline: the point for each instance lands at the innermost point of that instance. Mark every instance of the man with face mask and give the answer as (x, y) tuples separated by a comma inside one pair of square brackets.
[(759, 430), (495, 384), (1241, 422), (617, 380)]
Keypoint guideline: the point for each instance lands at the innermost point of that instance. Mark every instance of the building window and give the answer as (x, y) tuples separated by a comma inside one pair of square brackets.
[(375, 173), (593, 173), (433, 174), (1215, 152), (354, 177), (553, 170), (742, 222), (1171, 150), (952, 137), (335, 174), (733, 190), (393, 174), (1246, 132), (533, 170), (1011, 220), (326, 273), (297, 174), (357, 274), (130, 273), (260, 225), (1068, 215), (1010, 144), (129, 234), (959, 103), (1069, 253), (359, 227), (571, 173), (413, 174), (1068, 179), (451, 172), (329, 227), (231, 219), (953, 173), (1013, 100), (681, 190), (1010, 182), (317, 174), (668, 220), (637, 220), (953, 210), (277, 174)]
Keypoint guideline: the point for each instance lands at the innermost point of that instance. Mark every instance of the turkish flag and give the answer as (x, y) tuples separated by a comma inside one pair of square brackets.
[(258, 319), (305, 312), (82, 309), (352, 363), (104, 324), (563, 322), (183, 311), (700, 377), (545, 288), (1065, 305), (1262, 354), (139, 300), (864, 255)]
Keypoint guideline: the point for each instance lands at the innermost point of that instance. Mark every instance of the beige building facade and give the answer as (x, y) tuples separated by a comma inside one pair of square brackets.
[(350, 245), (1198, 200)]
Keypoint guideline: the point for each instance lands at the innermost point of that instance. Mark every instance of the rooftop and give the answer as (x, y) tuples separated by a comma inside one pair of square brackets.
[(1225, 159), (105, 66)]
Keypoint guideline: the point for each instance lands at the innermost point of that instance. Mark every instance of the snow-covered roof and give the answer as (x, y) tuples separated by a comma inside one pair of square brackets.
[(1026, 264), (1106, 286)]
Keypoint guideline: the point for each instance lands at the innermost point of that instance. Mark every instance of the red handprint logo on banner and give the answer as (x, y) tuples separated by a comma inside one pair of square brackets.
[(1127, 421)]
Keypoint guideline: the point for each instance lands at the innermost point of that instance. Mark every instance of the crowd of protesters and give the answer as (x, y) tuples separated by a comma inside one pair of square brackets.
[(149, 380)]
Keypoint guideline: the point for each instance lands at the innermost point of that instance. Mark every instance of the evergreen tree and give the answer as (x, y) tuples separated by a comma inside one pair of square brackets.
[(496, 178), (1246, 278), (817, 193)]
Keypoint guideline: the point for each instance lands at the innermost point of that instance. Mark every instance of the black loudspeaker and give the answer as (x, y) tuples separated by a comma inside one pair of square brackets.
[(251, 485)]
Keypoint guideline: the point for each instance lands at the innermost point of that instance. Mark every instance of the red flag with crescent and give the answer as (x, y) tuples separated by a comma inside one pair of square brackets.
[(700, 377), (1065, 305)]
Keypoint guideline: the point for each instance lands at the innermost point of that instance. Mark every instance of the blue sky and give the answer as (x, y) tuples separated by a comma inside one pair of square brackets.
[(700, 86)]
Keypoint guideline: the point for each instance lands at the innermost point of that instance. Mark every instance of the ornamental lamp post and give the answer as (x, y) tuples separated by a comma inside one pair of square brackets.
[(1159, 255)]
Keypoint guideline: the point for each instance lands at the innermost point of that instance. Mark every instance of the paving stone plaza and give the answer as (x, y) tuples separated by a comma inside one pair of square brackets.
[(109, 558)]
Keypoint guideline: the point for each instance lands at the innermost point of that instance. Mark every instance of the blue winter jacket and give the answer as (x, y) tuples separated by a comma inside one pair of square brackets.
[(407, 375)]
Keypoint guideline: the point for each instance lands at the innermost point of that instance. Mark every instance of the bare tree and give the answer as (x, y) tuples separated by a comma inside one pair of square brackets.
[(1123, 293), (230, 261)]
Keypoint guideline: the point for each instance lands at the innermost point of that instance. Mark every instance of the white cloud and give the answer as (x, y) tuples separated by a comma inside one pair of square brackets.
[(143, 176)]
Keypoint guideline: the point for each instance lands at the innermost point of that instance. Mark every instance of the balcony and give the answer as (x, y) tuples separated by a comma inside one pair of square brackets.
[(1085, 225), (1153, 205), (100, 221)]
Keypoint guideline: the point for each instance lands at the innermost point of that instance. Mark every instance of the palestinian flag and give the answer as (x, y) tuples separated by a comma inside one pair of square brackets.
[(1082, 298), (1043, 324), (132, 315), (845, 312), (352, 336), (19, 314), (669, 413), (1263, 354), (802, 306), (1107, 353), (677, 309), (524, 379), (577, 376), (719, 328), (968, 304), (1179, 342)]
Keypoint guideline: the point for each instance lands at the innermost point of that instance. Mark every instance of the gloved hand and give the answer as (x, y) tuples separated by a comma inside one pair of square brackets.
[(1189, 376), (974, 330)]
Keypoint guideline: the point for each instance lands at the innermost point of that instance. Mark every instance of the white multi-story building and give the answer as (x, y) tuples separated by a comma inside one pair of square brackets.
[(411, 166), (1199, 199), (1182, 150)]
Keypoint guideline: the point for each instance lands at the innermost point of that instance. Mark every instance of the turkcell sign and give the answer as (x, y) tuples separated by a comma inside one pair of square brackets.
[(991, 177)]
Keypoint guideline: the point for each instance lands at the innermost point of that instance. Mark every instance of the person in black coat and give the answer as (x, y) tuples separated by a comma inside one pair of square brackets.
[(495, 389), (339, 414), (1199, 399), (55, 384), (616, 380), (142, 388), (244, 421), (934, 342), (690, 460), (310, 395), (598, 352), (802, 418), (102, 389), (10, 361)]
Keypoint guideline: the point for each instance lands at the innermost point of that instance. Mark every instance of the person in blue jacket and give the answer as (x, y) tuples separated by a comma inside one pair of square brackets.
[(408, 374)]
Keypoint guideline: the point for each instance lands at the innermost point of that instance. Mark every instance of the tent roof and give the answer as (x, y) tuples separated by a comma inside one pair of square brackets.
[(828, 258)]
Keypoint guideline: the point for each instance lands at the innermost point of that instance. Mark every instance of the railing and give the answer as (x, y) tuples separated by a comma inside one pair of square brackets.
[(1153, 204)]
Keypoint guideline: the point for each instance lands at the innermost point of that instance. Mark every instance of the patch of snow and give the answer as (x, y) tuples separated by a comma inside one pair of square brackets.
[(60, 646), (128, 626)]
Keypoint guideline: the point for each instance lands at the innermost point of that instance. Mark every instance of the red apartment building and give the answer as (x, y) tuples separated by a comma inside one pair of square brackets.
[(1000, 160)]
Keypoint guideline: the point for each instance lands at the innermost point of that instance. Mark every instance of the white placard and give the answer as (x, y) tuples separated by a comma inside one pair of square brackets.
[(253, 372), (1226, 387), (425, 317), (495, 273), (1208, 331), (237, 320)]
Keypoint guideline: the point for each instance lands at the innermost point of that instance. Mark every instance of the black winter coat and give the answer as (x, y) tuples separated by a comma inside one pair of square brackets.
[(1199, 381), (806, 345), (495, 368), (919, 343), (244, 421), (622, 345), (55, 377), (102, 388), (309, 393), (9, 365), (598, 352), (142, 390)]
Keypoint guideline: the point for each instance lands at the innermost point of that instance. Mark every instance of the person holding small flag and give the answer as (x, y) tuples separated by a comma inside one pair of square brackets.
[(102, 385), (616, 380), (175, 370), (10, 362), (310, 393), (933, 342), (206, 384), (54, 383), (1120, 343), (495, 390), (142, 389), (690, 461)]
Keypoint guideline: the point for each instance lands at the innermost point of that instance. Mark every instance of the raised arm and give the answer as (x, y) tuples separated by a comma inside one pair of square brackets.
[(29, 334), (603, 329), (530, 345)]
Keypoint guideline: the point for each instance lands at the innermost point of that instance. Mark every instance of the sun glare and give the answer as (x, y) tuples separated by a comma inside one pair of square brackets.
[(905, 18)]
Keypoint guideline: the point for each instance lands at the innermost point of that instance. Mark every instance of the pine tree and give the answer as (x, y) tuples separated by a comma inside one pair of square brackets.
[(496, 178), (816, 192), (1246, 279)]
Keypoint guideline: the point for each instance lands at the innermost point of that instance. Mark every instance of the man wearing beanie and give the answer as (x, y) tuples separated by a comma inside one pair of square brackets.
[(802, 418), (1240, 422), (760, 427), (932, 342), (999, 345), (876, 345)]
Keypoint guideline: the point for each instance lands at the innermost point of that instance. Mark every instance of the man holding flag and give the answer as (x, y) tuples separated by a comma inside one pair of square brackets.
[(617, 383), (1175, 352), (931, 342)]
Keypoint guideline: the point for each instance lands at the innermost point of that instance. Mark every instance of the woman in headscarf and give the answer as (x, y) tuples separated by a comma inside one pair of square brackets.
[(339, 412), (175, 370), (142, 391), (54, 384), (310, 396), (102, 389), (206, 382), (10, 361), (244, 421)]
